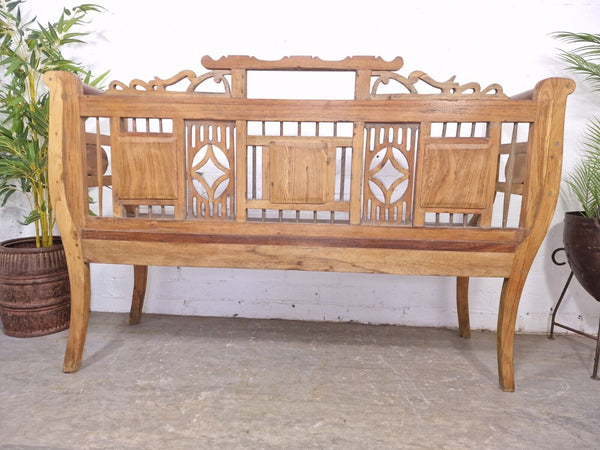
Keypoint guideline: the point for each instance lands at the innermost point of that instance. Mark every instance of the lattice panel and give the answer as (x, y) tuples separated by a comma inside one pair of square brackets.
[(210, 168), (389, 168)]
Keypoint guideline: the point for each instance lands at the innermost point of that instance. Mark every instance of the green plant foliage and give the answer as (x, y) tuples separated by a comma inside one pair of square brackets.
[(28, 49), (585, 178)]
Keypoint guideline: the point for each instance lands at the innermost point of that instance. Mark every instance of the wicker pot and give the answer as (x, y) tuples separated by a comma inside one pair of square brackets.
[(582, 246), (35, 297)]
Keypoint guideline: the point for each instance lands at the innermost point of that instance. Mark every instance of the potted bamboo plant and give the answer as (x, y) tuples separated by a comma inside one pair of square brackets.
[(34, 287), (582, 228)]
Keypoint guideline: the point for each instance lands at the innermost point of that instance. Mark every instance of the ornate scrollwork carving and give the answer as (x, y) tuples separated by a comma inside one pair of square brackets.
[(161, 85), (383, 71), (448, 88)]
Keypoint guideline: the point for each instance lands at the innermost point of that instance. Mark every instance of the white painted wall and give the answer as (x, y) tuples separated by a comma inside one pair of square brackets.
[(494, 41)]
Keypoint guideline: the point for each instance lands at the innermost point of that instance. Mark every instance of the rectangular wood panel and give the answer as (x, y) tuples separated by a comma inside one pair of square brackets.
[(300, 172), (145, 168), (456, 173)]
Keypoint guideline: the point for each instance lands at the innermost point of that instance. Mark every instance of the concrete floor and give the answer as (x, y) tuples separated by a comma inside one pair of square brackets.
[(191, 382)]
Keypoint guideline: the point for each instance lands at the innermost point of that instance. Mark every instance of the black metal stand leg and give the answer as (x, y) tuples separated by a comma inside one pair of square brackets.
[(555, 323), (560, 299), (562, 294), (595, 371)]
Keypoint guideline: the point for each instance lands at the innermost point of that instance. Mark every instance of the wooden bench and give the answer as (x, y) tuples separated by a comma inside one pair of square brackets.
[(407, 176)]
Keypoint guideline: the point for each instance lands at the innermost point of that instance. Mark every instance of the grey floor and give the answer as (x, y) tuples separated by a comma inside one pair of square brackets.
[(190, 382)]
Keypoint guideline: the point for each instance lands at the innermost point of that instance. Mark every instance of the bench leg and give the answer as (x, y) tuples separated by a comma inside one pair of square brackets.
[(462, 306), (140, 276), (79, 278), (507, 317)]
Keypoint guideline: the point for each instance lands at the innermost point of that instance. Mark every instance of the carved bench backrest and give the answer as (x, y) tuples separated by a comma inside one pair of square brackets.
[(454, 155)]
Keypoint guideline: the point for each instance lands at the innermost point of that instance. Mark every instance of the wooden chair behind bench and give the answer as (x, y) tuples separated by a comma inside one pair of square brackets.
[(460, 181)]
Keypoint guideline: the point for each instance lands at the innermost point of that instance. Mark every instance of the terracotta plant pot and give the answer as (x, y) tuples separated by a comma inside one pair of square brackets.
[(35, 297), (581, 238)]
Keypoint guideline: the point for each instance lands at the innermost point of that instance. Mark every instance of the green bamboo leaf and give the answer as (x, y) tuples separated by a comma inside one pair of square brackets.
[(99, 80), (5, 193), (32, 217)]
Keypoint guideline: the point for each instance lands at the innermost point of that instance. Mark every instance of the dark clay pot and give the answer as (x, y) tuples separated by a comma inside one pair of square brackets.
[(581, 238), (35, 297)]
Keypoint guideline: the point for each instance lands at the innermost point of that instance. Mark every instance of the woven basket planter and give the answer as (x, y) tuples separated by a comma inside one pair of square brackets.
[(35, 297)]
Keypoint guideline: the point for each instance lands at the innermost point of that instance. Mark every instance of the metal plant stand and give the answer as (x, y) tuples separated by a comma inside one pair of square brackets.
[(555, 323)]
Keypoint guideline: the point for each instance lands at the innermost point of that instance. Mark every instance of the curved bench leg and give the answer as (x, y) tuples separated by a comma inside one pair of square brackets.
[(140, 277), (507, 317), (462, 306), (79, 278)]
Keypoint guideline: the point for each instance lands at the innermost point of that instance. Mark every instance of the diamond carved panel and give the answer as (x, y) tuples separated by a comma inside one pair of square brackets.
[(389, 165), (210, 162)]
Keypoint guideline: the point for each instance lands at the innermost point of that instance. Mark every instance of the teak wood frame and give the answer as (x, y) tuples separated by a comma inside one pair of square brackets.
[(453, 175)]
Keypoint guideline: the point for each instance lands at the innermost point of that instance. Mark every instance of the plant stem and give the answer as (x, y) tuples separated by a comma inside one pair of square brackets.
[(36, 203)]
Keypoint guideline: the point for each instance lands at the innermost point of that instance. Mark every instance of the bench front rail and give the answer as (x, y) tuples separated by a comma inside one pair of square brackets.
[(188, 171)]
